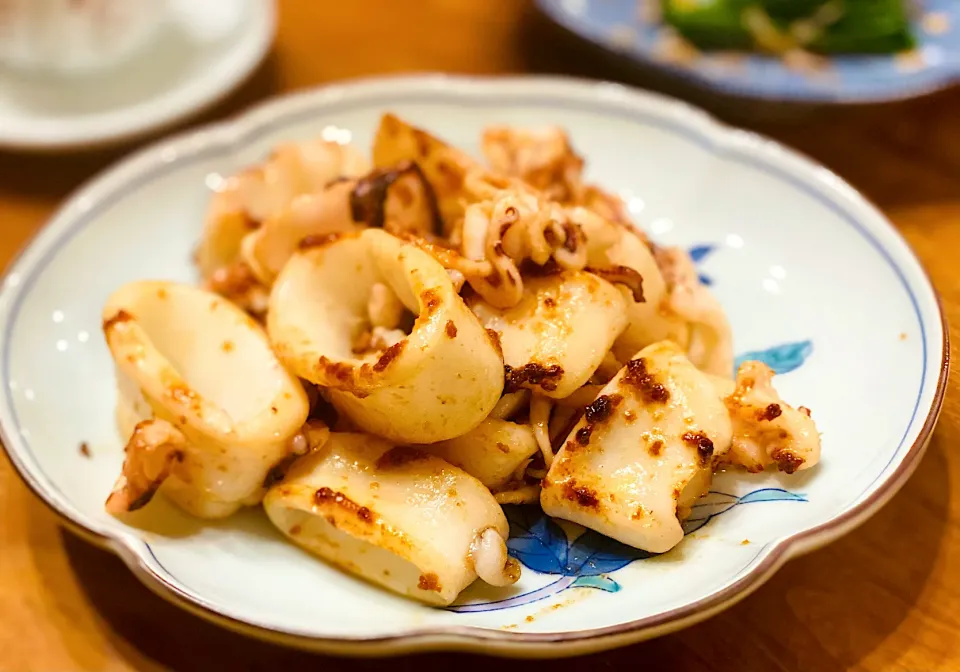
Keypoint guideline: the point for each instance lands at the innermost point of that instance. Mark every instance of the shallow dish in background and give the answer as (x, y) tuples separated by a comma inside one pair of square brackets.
[(632, 29), (201, 53), (793, 253)]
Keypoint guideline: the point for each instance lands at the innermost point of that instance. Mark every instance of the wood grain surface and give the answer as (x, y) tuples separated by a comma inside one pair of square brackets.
[(886, 597)]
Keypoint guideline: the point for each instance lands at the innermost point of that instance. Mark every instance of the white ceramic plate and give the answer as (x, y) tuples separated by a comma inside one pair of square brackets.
[(200, 57), (815, 281)]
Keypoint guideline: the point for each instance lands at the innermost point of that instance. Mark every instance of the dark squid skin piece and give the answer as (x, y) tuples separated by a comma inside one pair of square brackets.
[(368, 199)]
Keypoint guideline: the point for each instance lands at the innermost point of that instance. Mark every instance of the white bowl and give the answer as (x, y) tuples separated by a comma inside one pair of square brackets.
[(812, 276), (193, 57)]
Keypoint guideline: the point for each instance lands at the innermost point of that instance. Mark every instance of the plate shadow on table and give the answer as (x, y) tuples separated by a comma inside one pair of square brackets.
[(825, 611), (897, 154)]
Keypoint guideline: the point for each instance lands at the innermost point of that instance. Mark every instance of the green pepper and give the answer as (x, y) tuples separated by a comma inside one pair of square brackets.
[(867, 26), (785, 11), (709, 24)]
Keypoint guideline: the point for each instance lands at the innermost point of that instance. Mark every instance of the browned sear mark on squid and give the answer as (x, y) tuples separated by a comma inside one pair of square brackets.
[(429, 582), (279, 470), (233, 281), (702, 443), (368, 198), (534, 373), (595, 414), (431, 300), (494, 337), (451, 329), (580, 494), (601, 408), (321, 240), (388, 356), (528, 268), (325, 496), (787, 462), (342, 373), (656, 448), (638, 377), (400, 456), (85, 449), (118, 317), (771, 412), (622, 275)]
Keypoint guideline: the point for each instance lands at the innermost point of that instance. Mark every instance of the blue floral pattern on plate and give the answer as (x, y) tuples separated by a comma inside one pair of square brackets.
[(584, 560), (621, 26), (781, 358), (698, 253)]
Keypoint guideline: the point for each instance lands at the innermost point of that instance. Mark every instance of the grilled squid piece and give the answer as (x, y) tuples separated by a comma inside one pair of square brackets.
[(492, 452), (439, 382), (650, 321), (541, 157), (395, 516), (319, 214), (511, 228), (208, 409), (643, 452), (246, 200), (767, 432), (445, 167), (557, 336), (710, 344), (545, 159), (399, 200)]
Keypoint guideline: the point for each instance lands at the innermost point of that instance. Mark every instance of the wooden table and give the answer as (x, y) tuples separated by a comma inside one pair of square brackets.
[(885, 597)]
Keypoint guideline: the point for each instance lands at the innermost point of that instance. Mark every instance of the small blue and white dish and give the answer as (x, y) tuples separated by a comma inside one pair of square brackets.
[(634, 28)]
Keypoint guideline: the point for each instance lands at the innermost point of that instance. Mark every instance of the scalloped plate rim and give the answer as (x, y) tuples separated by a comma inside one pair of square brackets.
[(228, 136)]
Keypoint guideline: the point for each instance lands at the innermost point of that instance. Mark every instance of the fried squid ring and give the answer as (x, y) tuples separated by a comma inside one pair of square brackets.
[(395, 516), (559, 333), (246, 200), (207, 407), (439, 382), (643, 452), (399, 200)]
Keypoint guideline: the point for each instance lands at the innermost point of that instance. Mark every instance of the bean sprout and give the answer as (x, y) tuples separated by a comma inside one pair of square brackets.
[(540, 408), (527, 494)]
